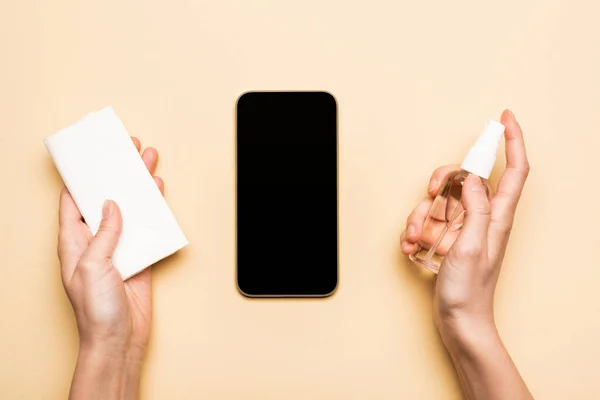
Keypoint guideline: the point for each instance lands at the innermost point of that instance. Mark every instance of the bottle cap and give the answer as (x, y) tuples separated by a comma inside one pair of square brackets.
[(481, 158)]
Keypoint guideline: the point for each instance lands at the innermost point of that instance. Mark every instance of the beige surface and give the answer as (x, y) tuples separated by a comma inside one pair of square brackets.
[(415, 81)]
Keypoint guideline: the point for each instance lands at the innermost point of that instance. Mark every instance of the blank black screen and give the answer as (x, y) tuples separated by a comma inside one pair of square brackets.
[(287, 219)]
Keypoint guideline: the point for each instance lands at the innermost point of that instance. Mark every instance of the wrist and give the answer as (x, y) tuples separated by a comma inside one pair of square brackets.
[(98, 373), (106, 371), (469, 336), (113, 345), (115, 354), (102, 355)]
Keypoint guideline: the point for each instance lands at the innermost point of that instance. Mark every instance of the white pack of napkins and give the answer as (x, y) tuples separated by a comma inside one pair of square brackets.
[(97, 160)]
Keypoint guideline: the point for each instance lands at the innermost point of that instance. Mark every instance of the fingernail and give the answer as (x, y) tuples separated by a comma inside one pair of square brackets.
[(107, 208), (410, 231), (476, 185), (456, 227), (432, 185), (511, 113)]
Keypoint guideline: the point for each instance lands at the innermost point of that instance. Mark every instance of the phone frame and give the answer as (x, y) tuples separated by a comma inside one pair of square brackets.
[(337, 173)]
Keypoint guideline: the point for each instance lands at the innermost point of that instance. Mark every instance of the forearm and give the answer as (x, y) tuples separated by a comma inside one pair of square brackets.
[(105, 374), (98, 374), (483, 364)]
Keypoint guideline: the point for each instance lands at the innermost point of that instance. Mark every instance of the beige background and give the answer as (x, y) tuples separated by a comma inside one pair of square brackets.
[(415, 81)]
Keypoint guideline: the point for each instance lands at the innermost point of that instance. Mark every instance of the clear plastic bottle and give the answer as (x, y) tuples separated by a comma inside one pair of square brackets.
[(446, 215)]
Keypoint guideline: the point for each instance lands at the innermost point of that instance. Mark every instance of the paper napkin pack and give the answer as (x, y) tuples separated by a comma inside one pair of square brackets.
[(97, 160)]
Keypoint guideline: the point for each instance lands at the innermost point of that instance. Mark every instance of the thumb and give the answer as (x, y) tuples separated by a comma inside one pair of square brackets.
[(477, 214), (106, 239)]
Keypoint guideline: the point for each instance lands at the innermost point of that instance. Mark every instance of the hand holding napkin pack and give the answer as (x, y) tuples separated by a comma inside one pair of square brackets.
[(97, 160)]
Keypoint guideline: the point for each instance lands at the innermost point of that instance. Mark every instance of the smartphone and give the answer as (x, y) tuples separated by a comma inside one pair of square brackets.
[(287, 194)]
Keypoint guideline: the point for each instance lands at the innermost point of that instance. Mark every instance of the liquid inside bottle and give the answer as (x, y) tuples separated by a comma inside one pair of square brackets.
[(443, 222)]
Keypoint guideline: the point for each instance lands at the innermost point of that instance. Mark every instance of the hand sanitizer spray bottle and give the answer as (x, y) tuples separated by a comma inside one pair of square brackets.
[(445, 217)]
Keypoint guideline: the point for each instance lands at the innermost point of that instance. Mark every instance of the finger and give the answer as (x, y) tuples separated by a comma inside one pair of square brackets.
[(446, 205), (416, 220), (432, 232), (473, 235), (141, 285), (517, 167), (137, 143), (408, 248), (423, 229), (106, 239), (68, 213), (69, 237), (161, 185), (430, 237), (437, 178), (150, 157)]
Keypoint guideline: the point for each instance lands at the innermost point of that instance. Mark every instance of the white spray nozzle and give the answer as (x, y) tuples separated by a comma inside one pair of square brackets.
[(481, 158)]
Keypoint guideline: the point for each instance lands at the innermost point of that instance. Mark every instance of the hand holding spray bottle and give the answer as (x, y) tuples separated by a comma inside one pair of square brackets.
[(446, 215)]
